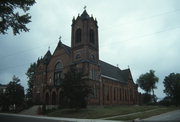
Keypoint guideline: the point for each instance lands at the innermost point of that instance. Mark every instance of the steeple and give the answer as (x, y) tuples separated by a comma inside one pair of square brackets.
[(84, 15), (84, 38)]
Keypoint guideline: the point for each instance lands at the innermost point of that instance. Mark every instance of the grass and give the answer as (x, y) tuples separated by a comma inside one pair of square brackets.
[(102, 112), (146, 114)]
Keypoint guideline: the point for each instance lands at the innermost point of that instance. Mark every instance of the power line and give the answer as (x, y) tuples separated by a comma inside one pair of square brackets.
[(141, 36), (12, 67), (151, 34), (153, 16), (145, 35), (140, 19), (160, 14), (25, 51), (143, 18)]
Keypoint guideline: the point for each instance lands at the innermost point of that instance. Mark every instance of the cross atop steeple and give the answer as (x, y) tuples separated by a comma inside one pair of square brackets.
[(85, 7), (60, 38), (59, 44)]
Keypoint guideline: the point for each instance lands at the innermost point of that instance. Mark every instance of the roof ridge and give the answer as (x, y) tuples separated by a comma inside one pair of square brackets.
[(125, 69), (66, 45), (110, 64)]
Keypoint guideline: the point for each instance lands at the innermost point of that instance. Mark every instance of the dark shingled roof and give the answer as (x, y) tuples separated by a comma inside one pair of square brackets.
[(125, 73), (67, 49), (114, 73)]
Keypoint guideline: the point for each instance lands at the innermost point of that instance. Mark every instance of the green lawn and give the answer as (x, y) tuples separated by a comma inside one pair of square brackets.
[(101, 112), (147, 114)]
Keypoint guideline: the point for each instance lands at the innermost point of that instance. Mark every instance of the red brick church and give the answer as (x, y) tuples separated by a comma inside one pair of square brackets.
[(111, 85)]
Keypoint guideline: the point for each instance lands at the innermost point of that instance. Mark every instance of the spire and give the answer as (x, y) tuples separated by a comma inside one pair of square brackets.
[(73, 19), (47, 57), (85, 15)]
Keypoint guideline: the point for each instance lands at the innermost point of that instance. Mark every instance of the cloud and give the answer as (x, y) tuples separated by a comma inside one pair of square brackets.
[(141, 34)]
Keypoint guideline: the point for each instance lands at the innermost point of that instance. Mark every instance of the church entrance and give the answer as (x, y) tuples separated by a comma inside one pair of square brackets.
[(47, 99), (53, 98), (61, 99)]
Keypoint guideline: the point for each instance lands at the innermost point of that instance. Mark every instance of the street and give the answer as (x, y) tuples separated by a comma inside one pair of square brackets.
[(4, 117), (21, 118), (173, 116)]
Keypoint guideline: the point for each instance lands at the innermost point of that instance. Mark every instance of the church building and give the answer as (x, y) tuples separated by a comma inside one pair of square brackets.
[(110, 84)]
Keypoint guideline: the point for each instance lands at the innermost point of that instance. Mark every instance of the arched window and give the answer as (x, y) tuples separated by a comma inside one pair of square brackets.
[(78, 35), (92, 37), (58, 74)]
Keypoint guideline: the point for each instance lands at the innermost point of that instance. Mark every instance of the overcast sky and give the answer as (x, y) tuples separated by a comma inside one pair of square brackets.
[(144, 34)]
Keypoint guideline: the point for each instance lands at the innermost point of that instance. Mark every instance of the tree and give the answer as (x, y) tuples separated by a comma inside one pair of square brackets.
[(75, 89), (15, 92), (31, 77), (13, 96), (10, 18), (4, 102), (172, 87), (148, 81)]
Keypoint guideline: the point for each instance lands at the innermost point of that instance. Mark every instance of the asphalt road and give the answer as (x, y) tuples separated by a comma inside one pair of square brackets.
[(173, 116), (4, 117), (14, 118)]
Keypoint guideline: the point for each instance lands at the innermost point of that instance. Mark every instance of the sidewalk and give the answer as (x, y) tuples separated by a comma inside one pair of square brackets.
[(30, 111), (33, 111), (173, 116), (126, 114)]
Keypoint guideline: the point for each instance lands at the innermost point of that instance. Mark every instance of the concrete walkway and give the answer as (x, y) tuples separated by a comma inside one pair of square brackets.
[(30, 111)]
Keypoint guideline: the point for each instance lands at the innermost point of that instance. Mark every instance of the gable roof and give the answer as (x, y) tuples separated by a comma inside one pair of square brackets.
[(114, 73), (47, 57), (65, 47)]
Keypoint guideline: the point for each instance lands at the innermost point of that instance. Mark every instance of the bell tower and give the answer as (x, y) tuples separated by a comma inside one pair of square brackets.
[(84, 39)]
